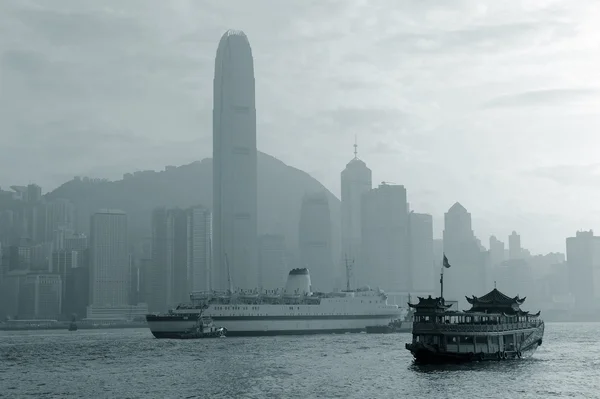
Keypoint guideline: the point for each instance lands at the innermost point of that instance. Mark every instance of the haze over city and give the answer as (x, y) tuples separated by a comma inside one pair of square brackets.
[(299, 198), (483, 103)]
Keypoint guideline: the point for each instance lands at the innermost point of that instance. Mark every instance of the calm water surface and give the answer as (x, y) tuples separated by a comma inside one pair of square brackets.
[(132, 364)]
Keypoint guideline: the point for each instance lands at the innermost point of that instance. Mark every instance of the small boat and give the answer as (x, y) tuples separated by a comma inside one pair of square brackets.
[(395, 326), (204, 328), (73, 325)]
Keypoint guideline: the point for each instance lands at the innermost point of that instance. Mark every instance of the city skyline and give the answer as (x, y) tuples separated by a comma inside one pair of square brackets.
[(291, 198), (424, 137)]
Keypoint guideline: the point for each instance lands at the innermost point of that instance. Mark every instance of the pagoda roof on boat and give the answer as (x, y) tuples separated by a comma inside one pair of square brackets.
[(497, 302), (496, 297), (430, 303), (521, 313)]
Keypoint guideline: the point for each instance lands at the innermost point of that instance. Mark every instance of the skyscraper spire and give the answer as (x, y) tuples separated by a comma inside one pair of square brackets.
[(355, 148)]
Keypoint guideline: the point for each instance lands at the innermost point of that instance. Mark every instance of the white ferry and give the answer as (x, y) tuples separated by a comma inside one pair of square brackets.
[(296, 310)]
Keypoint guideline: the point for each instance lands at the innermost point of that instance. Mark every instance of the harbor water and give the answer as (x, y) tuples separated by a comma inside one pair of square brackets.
[(132, 364)]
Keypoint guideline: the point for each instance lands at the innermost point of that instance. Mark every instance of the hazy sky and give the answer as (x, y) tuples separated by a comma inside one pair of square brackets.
[(494, 104)]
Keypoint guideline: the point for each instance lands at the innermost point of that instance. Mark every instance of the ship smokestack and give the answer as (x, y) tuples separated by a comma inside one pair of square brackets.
[(298, 282)]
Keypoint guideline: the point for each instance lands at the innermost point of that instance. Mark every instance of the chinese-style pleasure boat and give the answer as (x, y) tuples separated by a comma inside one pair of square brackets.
[(495, 328)]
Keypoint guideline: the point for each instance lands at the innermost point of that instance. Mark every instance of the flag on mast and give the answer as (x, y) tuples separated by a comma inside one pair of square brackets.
[(446, 263)]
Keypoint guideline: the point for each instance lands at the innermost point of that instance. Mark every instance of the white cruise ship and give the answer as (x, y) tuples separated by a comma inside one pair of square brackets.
[(296, 310)]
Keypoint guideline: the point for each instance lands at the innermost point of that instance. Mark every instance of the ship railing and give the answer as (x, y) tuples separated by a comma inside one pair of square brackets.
[(424, 327)]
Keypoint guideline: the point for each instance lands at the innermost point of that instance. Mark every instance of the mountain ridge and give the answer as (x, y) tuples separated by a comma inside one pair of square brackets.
[(280, 191)]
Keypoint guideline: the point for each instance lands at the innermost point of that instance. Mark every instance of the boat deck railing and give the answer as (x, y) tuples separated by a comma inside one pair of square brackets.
[(466, 327)]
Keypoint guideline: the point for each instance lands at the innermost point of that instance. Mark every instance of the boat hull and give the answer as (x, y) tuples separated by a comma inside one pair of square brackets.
[(432, 354), (428, 356), (171, 327)]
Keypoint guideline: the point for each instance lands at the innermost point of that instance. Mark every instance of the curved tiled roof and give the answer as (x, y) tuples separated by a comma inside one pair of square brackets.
[(495, 297), (430, 303)]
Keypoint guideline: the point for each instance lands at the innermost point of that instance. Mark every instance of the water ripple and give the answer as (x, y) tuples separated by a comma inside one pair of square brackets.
[(132, 364)]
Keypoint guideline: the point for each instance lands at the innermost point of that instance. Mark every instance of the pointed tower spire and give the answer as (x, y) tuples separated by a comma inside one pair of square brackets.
[(355, 148)]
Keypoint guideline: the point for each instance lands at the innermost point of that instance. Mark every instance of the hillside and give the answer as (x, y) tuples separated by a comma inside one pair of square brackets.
[(280, 191)]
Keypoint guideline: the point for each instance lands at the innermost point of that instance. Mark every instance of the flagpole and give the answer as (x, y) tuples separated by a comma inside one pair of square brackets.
[(442, 283)]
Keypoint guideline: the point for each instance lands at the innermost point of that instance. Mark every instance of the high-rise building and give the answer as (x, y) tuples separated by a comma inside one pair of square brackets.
[(583, 260), (514, 246), (60, 215), (234, 164), (356, 179), (77, 292), (496, 251), (315, 241), (272, 264), (109, 261), (467, 273), (10, 292), (35, 223), (385, 239), (34, 193), (63, 262), (40, 296), (199, 236), (421, 252), (181, 256), (170, 258), (76, 242)]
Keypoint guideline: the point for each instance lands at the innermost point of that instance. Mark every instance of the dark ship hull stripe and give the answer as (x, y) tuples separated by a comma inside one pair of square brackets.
[(151, 318), (269, 333)]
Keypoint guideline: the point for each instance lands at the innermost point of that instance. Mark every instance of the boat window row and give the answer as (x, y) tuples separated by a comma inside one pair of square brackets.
[(465, 319), (509, 340)]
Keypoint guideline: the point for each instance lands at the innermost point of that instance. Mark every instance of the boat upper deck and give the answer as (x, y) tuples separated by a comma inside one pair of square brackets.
[(494, 312), (473, 322)]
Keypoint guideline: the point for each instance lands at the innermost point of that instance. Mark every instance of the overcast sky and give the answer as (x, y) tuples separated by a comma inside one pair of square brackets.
[(492, 104)]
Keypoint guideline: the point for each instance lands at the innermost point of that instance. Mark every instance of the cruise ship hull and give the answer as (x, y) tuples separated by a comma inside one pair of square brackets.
[(172, 326)]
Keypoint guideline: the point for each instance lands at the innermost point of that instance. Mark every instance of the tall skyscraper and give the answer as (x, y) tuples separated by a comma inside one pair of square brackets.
[(60, 217), (385, 239), (109, 258), (170, 258), (356, 180), (234, 165), (199, 236), (272, 261), (315, 241), (583, 260), (467, 275), (181, 242), (514, 246), (421, 252), (496, 251)]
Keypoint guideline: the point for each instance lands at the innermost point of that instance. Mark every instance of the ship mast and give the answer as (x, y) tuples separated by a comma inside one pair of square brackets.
[(210, 271), (348, 271), (229, 276)]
